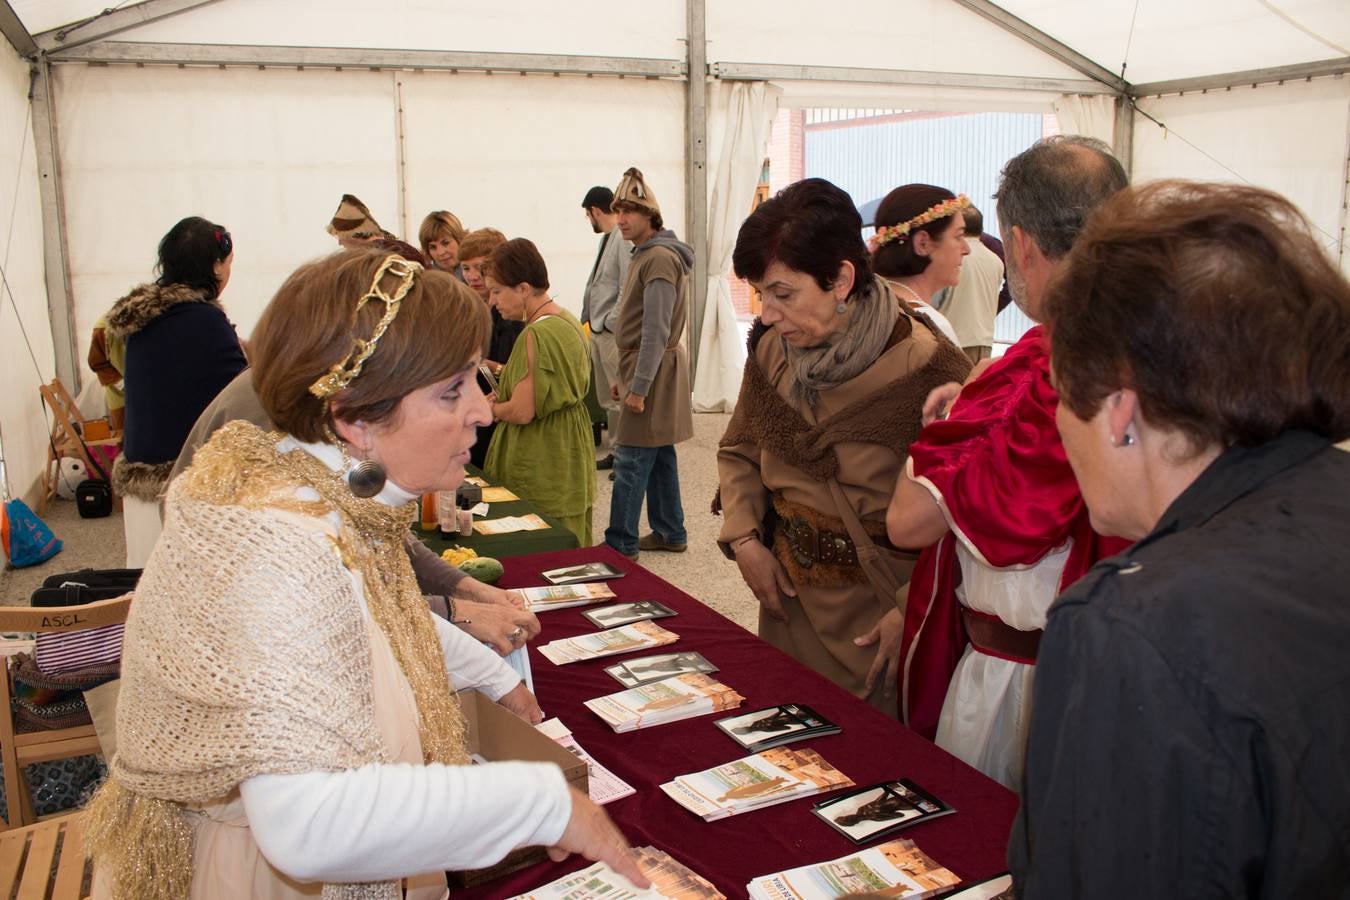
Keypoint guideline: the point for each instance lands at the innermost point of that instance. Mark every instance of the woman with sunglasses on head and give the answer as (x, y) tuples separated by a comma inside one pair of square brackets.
[(181, 349)]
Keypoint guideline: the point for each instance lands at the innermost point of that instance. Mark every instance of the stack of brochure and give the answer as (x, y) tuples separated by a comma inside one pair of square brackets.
[(895, 869), (774, 776), (669, 879), (775, 726), (602, 784), (638, 636), (670, 700), (543, 599)]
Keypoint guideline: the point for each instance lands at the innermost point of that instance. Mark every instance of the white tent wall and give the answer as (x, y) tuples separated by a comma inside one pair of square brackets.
[(267, 154), (923, 35), (1290, 138), (518, 154), (26, 357)]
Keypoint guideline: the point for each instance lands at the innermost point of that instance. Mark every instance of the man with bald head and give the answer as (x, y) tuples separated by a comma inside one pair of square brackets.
[(989, 493)]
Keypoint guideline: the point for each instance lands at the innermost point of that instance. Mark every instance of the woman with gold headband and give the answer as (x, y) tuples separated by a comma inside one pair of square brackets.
[(287, 724), (919, 246), (832, 395)]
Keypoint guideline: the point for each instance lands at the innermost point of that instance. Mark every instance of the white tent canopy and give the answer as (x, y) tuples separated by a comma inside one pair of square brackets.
[(260, 114)]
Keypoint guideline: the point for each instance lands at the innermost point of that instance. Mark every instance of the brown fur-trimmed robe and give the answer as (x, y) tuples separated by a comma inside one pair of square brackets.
[(859, 434)]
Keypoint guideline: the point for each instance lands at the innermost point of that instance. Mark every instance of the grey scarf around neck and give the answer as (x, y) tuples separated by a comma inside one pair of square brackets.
[(845, 354)]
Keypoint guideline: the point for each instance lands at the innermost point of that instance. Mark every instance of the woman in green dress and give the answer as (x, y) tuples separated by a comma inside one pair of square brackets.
[(543, 449)]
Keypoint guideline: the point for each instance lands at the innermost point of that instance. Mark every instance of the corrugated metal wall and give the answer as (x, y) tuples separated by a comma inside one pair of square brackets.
[(869, 154)]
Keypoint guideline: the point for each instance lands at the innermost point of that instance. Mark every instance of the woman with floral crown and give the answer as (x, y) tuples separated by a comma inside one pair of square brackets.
[(288, 725)]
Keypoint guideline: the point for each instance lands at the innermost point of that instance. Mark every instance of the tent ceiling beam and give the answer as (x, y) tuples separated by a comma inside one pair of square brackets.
[(732, 71), (1318, 69), (361, 58), (69, 35), (14, 31), (1045, 43)]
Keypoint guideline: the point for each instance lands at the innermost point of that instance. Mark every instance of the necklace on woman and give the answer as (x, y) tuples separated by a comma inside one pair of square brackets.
[(531, 316), (907, 289)]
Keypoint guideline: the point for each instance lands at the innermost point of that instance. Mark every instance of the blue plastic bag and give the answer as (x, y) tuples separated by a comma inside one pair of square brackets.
[(26, 538)]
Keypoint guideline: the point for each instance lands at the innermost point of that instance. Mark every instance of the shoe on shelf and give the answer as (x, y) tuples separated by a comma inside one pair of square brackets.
[(606, 463), (654, 541)]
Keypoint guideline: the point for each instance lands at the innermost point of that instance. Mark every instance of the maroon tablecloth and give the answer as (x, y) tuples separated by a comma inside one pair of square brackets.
[(871, 748)]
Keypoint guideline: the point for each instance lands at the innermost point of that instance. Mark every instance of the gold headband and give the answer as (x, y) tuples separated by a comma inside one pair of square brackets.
[(898, 232), (341, 374)]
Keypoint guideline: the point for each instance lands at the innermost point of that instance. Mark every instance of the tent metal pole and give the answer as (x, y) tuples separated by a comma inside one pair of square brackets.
[(734, 71), (362, 58), (12, 27), (696, 171), (1123, 135), (1247, 78), (99, 27), (60, 309)]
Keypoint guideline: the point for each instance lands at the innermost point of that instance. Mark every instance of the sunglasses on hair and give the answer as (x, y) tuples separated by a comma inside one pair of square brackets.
[(223, 241)]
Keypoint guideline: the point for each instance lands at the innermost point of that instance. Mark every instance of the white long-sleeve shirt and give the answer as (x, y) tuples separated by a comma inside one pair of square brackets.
[(383, 821)]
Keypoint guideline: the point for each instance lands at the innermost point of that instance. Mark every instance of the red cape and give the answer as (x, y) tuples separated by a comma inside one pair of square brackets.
[(1007, 486)]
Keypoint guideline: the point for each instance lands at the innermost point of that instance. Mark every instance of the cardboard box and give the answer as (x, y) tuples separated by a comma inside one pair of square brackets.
[(498, 735)]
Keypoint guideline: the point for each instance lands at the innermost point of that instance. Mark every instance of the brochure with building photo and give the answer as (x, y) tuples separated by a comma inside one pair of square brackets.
[(591, 571), (670, 879), (774, 776), (894, 869), (638, 636), (668, 700), (775, 726), (603, 785), (869, 813), (626, 613), (646, 669), (543, 599)]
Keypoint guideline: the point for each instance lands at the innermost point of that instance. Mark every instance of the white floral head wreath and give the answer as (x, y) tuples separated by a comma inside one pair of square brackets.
[(887, 234)]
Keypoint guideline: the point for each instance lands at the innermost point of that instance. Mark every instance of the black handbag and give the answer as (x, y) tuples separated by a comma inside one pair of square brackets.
[(85, 586), (93, 498)]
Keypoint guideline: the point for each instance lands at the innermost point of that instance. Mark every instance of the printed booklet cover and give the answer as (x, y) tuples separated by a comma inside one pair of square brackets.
[(775, 726), (669, 700), (638, 636), (872, 812), (646, 669), (591, 571), (670, 879), (543, 599), (774, 776), (894, 869), (626, 613)]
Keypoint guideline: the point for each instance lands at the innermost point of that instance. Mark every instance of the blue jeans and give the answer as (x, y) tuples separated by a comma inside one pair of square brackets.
[(649, 471)]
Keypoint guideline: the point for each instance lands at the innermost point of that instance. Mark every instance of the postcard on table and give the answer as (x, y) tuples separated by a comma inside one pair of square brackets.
[(646, 669), (668, 700), (498, 494), (511, 524), (670, 879), (775, 726), (602, 784), (637, 636), (774, 776), (625, 613), (872, 812), (894, 869), (591, 571), (543, 599)]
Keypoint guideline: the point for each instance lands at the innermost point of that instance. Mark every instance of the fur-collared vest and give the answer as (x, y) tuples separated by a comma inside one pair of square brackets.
[(180, 351)]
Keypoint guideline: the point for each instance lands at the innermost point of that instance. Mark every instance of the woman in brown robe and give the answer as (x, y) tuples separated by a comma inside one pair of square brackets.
[(832, 394)]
